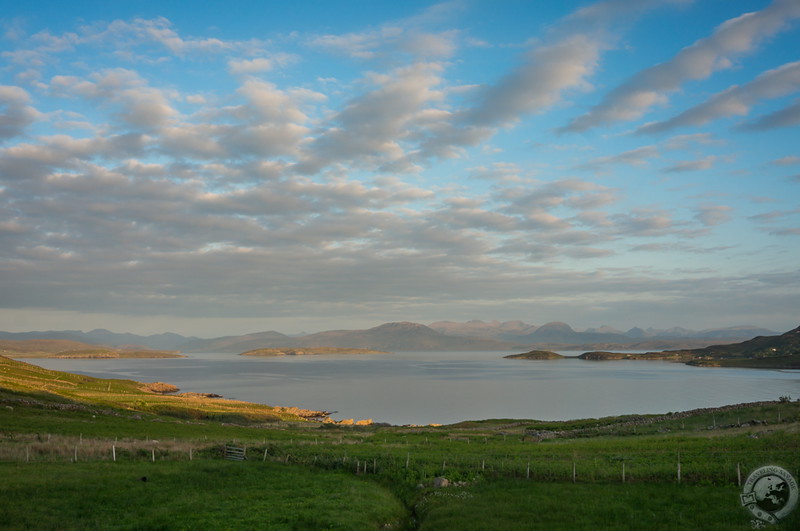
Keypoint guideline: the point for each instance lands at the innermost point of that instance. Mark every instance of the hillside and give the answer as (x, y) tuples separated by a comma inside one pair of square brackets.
[(48, 386), (774, 352)]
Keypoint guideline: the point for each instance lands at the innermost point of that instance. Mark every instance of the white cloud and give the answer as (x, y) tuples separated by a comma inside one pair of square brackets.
[(15, 113), (735, 101), (249, 66), (787, 117), (731, 39), (706, 163)]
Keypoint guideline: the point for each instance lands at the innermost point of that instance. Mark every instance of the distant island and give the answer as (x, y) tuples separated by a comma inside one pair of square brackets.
[(311, 351), (59, 348), (535, 355)]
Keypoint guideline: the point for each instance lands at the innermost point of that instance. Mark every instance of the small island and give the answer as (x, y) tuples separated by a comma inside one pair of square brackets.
[(535, 355), (308, 351)]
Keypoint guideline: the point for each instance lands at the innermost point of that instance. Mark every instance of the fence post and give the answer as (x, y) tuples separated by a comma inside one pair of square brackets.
[(573, 471), (623, 471), (114, 453), (528, 471), (738, 475)]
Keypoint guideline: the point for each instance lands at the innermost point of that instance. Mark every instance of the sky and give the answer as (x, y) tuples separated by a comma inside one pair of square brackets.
[(214, 168)]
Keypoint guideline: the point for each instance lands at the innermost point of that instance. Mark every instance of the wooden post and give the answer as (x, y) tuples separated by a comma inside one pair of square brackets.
[(444, 462), (114, 453), (623, 471), (190, 453), (483, 464), (265, 454), (573, 471), (738, 475), (374, 465), (154, 454), (528, 471), (76, 454)]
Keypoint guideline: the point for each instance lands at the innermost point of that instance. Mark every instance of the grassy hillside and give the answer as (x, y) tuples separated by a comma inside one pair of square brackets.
[(74, 450), (46, 386)]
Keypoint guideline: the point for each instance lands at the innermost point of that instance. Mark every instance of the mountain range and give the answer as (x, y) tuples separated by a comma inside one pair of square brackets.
[(406, 336)]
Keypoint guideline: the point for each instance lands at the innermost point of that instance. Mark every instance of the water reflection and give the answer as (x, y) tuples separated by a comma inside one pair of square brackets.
[(446, 387)]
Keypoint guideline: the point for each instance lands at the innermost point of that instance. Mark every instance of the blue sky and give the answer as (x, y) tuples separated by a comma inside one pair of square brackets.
[(217, 168)]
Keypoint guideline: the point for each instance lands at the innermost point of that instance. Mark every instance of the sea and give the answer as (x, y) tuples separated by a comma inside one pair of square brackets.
[(418, 388)]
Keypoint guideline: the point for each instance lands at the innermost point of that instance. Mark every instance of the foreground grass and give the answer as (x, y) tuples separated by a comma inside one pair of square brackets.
[(523, 504), (253, 495), (190, 495)]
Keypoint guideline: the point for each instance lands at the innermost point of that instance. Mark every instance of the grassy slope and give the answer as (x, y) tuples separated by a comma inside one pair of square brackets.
[(127, 394), (307, 475)]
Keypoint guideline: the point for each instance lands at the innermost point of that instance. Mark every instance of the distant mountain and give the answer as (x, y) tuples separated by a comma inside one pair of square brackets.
[(559, 333), (66, 335), (166, 341), (238, 344), (441, 335), (499, 331), (562, 333), (390, 337)]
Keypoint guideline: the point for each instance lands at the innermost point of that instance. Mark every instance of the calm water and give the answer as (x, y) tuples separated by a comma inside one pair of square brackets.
[(447, 387)]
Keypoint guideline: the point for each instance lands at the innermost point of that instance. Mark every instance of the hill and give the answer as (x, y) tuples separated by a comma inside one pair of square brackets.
[(395, 337), (774, 352), (63, 348)]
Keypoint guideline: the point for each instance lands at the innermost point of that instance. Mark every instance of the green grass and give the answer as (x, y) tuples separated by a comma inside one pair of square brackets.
[(305, 475), (190, 495), (519, 504)]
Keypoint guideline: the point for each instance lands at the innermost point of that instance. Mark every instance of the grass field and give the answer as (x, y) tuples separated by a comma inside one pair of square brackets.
[(73, 451)]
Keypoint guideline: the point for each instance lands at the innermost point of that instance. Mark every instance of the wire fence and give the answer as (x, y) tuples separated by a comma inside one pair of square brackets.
[(419, 463)]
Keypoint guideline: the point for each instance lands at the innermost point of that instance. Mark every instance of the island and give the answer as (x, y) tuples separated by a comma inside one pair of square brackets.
[(535, 355), (308, 351)]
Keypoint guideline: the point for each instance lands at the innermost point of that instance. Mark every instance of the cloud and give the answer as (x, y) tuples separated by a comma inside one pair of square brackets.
[(706, 163), (373, 127), (735, 101), (787, 117), (15, 114), (649, 87), (634, 157), (139, 105), (786, 161), (711, 215), (249, 66), (538, 82)]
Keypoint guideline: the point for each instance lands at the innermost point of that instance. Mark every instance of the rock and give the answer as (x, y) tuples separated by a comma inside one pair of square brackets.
[(441, 482)]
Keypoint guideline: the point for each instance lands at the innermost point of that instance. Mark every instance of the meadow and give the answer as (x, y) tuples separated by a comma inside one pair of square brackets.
[(78, 462)]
